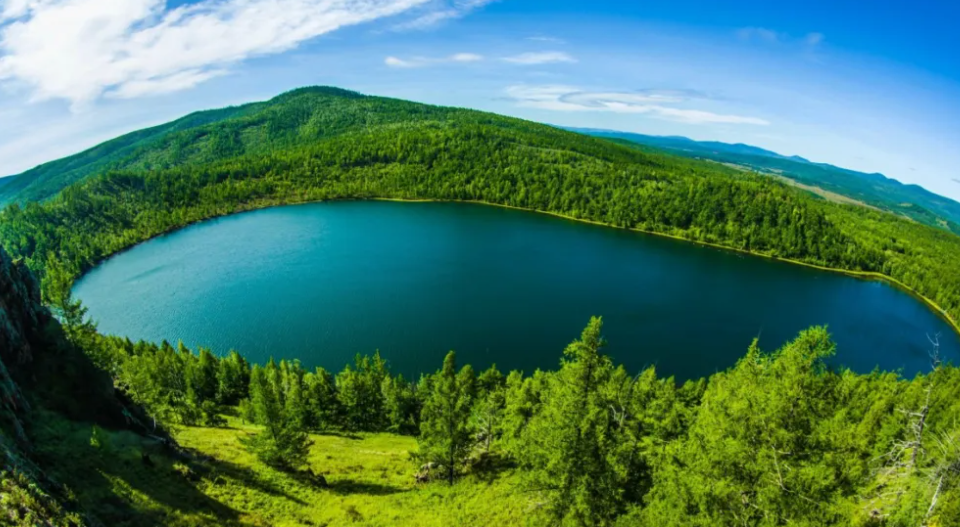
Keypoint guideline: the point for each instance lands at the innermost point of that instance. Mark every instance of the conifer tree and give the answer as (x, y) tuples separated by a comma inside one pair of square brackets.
[(445, 435), (521, 402), (571, 440), (233, 379), (399, 405), (281, 442), (320, 392)]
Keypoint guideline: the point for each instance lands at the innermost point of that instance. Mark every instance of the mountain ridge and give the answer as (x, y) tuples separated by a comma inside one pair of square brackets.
[(317, 145), (132, 150), (874, 189)]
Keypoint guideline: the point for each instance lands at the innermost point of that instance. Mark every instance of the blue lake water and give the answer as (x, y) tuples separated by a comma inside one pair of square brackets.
[(322, 282)]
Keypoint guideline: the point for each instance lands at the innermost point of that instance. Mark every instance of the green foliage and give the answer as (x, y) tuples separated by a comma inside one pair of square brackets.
[(875, 190), (779, 439), (322, 144), (283, 441), (522, 401), (400, 404), (359, 391), (233, 379), (575, 444), (24, 504), (489, 407), (321, 399), (445, 434)]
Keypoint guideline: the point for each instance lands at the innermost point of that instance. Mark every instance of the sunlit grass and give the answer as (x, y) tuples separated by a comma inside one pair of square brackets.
[(370, 481)]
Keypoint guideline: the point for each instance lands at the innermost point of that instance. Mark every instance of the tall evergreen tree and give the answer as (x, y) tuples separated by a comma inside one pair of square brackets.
[(572, 439), (233, 379), (282, 442), (445, 435), (400, 405), (320, 392)]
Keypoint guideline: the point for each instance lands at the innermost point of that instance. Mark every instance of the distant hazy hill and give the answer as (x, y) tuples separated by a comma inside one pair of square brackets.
[(875, 190)]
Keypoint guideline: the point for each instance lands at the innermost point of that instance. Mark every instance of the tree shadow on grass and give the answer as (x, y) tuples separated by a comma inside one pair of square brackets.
[(345, 434), (488, 467), (214, 467), (347, 487), (118, 488)]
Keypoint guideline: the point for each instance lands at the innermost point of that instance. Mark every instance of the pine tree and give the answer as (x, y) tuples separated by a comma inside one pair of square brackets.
[(399, 405), (445, 435), (359, 392), (233, 379), (521, 402), (321, 399), (202, 376), (294, 405), (571, 439), (281, 443)]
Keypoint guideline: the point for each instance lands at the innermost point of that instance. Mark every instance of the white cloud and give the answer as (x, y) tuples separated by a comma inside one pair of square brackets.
[(540, 57), (420, 62), (439, 11), (81, 50), (813, 39), (761, 34), (769, 36), (552, 40), (394, 62), (655, 103), (466, 57)]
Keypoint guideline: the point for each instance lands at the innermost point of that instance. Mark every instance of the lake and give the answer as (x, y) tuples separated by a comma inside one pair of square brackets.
[(322, 282)]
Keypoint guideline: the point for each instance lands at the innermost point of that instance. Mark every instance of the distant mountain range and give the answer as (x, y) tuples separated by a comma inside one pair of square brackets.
[(831, 182)]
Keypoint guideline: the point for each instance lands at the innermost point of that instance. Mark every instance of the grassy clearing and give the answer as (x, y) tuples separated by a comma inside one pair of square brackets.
[(370, 478)]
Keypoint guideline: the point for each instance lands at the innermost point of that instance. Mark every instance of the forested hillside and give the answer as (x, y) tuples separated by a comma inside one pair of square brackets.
[(321, 143), (46, 180), (877, 190), (778, 439)]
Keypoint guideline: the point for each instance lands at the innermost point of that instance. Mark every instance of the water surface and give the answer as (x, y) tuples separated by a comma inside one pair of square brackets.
[(322, 282)]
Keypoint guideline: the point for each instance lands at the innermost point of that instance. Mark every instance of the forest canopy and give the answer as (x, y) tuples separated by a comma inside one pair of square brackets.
[(778, 439), (323, 144)]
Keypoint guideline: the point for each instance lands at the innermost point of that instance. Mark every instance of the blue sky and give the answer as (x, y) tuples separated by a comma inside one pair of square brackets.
[(872, 86)]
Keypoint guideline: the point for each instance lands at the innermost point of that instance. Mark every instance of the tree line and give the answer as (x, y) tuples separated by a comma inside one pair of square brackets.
[(779, 438), (310, 145)]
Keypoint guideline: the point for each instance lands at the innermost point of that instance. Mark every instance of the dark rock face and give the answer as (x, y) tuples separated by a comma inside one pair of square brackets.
[(22, 319), (22, 316)]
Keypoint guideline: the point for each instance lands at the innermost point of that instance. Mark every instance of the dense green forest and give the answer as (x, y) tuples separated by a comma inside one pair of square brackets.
[(777, 439), (876, 190), (320, 144), (98, 429)]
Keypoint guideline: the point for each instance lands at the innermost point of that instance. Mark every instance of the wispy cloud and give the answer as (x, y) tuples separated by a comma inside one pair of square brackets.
[(769, 36), (759, 34), (540, 57), (420, 62), (552, 40), (81, 50), (438, 11), (814, 39), (466, 57), (955, 180), (662, 104)]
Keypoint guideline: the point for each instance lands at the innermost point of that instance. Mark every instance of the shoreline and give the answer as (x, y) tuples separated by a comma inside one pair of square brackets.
[(863, 275), (265, 204)]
